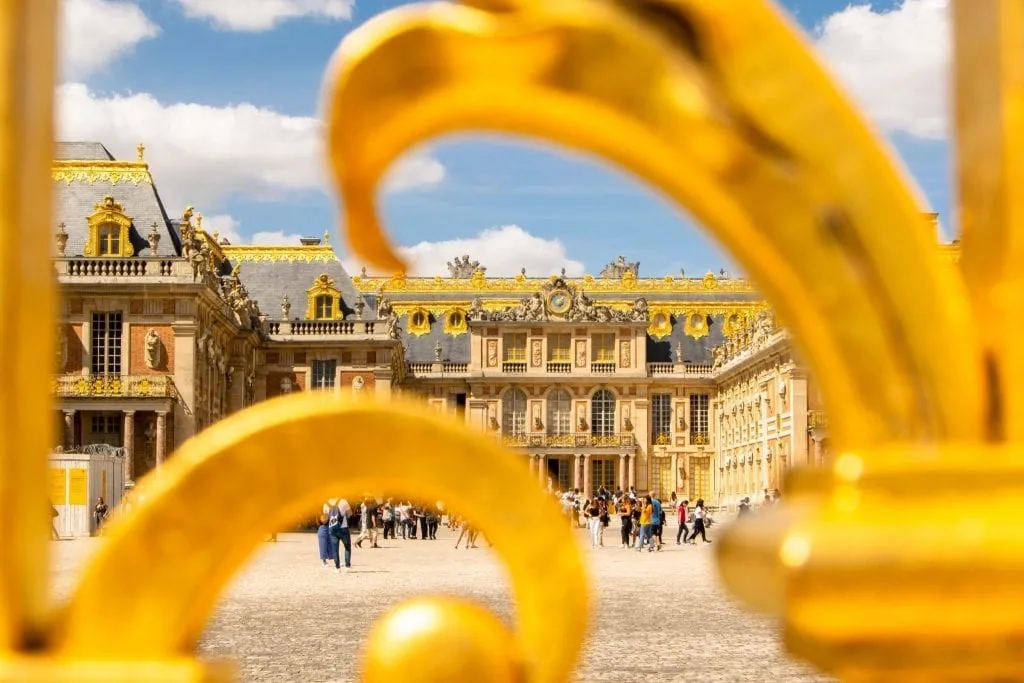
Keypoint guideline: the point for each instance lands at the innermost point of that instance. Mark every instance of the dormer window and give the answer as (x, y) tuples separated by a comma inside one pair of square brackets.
[(324, 307), (323, 300), (110, 240), (109, 230)]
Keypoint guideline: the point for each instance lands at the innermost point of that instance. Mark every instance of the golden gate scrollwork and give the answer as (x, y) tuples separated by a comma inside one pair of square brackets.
[(719, 105)]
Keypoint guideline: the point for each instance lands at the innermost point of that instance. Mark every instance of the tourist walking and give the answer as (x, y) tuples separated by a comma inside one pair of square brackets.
[(593, 514), (699, 516), (683, 528), (657, 519), (626, 518), (323, 539), (646, 511)]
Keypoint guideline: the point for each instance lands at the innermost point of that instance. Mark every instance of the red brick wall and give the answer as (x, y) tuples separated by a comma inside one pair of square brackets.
[(76, 348), (274, 382), (348, 377), (138, 349)]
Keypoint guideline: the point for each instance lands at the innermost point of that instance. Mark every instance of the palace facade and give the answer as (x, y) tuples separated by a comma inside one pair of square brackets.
[(667, 384)]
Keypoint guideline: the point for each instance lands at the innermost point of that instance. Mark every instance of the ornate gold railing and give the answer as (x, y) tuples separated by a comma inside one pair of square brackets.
[(817, 419), (582, 440), (700, 438), (113, 386)]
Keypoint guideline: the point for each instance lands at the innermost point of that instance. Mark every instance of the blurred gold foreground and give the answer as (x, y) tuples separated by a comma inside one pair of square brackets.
[(878, 567)]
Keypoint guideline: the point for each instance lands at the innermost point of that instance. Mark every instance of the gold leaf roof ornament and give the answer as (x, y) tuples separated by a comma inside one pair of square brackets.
[(781, 168)]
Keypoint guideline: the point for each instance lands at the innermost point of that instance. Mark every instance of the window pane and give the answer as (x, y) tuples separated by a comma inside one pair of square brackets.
[(515, 348), (323, 372), (661, 417), (513, 412), (559, 412), (602, 413)]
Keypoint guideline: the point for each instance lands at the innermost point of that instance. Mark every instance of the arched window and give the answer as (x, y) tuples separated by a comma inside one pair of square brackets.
[(602, 413), (513, 412), (559, 412), (324, 307)]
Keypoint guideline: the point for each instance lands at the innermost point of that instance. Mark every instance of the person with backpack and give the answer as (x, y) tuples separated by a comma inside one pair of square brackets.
[(657, 521), (337, 513)]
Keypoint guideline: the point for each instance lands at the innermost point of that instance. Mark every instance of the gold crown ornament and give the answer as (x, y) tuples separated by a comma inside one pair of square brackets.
[(902, 561), (905, 559)]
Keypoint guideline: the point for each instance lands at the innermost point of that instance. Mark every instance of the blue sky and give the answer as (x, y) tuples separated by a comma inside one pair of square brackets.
[(223, 94)]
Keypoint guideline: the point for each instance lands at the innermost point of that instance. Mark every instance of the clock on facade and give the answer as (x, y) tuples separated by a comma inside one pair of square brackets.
[(558, 302)]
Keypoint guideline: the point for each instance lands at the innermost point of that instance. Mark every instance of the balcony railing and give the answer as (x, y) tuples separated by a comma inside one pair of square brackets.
[(687, 369), (817, 419), (700, 438), (559, 367), (122, 267), (602, 368), (513, 368), (113, 386), (438, 368), (580, 440)]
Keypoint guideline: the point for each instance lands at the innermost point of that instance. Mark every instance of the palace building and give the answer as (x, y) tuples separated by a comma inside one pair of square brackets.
[(669, 383)]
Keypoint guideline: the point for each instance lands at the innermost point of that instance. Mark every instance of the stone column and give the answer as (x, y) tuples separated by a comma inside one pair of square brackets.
[(129, 445), (161, 436), (69, 429), (819, 452), (542, 470), (675, 472), (587, 484), (576, 483), (632, 469), (622, 471), (533, 464)]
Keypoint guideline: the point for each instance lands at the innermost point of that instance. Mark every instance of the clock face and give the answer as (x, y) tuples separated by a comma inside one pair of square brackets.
[(558, 302)]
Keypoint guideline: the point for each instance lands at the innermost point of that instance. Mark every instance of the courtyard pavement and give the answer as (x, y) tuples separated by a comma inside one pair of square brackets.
[(287, 619)]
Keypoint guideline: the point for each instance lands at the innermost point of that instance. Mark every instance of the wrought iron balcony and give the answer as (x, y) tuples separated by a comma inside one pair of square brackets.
[(113, 386), (817, 419), (700, 438)]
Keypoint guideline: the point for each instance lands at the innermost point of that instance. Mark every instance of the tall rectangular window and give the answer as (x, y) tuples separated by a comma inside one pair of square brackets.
[(699, 418), (106, 343), (661, 418), (323, 373), (514, 347), (603, 348), (558, 348)]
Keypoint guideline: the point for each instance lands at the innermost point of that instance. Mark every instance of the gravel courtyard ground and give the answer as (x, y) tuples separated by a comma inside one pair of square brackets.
[(287, 619)]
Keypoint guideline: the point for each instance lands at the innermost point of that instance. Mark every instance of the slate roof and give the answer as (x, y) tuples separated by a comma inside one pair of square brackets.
[(696, 351), (74, 202), (268, 282), (421, 349), (81, 151)]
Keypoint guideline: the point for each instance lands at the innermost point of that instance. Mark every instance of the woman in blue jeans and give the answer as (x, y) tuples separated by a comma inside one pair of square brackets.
[(337, 525), (328, 546)]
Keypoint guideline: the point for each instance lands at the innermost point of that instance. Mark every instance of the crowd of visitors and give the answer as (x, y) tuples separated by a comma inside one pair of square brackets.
[(642, 521)]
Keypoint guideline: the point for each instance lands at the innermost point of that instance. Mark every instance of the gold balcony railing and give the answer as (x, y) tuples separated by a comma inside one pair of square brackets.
[(817, 419), (580, 440), (113, 386), (700, 438)]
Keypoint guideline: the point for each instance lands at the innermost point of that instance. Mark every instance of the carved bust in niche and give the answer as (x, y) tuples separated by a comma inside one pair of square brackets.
[(154, 350), (287, 385), (357, 384)]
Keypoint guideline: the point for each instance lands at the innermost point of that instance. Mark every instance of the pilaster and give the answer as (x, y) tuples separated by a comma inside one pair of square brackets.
[(184, 373), (129, 445)]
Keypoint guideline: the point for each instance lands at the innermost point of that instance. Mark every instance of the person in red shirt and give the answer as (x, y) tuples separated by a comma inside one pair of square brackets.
[(683, 530)]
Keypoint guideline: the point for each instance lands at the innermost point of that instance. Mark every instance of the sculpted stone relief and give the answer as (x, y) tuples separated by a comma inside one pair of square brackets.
[(581, 353), (462, 267), (751, 337), (625, 357), (559, 300), (620, 267), (492, 353), (154, 350), (536, 353)]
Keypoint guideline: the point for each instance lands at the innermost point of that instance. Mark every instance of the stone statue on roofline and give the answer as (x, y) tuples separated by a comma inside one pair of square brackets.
[(618, 269), (463, 268)]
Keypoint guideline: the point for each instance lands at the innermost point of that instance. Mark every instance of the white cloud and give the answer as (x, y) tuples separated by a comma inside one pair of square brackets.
[(228, 227), (895, 63), (262, 15), (201, 154), (94, 33), (502, 250)]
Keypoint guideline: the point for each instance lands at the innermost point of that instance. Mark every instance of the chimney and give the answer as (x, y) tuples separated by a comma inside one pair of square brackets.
[(310, 241)]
